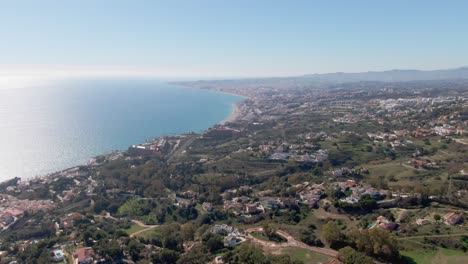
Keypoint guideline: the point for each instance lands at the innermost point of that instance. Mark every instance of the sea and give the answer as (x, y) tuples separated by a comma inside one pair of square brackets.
[(57, 125)]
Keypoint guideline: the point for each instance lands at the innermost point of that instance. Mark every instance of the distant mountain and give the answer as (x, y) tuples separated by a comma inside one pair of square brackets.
[(334, 78), (391, 76)]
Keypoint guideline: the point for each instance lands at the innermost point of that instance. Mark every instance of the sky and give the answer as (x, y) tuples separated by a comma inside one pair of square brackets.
[(241, 38)]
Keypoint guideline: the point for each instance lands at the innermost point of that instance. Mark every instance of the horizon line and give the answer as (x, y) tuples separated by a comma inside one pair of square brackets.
[(59, 71)]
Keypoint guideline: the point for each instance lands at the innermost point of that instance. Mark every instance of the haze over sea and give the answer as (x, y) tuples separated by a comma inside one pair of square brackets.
[(59, 125)]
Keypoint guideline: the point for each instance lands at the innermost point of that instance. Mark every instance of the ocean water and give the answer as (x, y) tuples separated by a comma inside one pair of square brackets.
[(63, 124)]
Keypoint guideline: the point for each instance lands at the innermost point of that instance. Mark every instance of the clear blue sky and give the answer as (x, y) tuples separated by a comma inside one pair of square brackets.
[(236, 38)]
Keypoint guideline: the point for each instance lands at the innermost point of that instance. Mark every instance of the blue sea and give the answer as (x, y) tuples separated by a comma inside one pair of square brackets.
[(51, 127)]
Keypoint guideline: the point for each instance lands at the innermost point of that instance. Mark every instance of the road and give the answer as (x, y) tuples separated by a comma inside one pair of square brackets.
[(147, 227), (460, 141), (179, 150), (138, 223), (291, 242)]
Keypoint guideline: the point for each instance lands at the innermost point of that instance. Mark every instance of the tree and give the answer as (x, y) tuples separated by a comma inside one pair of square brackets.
[(206, 219), (87, 238), (332, 234), (310, 239), (173, 241), (376, 242), (134, 249), (108, 249), (214, 243), (165, 256), (188, 231), (248, 253), (350, 256), (269, 230), (198, 255)]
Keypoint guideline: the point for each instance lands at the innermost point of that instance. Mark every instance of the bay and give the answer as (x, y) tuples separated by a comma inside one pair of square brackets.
[(63, 124)]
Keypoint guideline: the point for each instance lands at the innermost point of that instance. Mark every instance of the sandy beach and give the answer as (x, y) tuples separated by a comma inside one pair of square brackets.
[(235, 115)]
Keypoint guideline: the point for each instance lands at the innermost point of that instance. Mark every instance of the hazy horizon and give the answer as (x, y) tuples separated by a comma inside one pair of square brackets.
[(212, 39)]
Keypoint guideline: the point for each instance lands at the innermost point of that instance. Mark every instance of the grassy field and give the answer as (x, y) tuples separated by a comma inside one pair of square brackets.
[(304, 255), (276, 238), (260, 236), (133, 228), (391, 168), (149, 233), (441, 256)]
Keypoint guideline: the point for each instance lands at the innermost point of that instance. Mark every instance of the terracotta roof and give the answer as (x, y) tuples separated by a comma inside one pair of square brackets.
[(81, 254)]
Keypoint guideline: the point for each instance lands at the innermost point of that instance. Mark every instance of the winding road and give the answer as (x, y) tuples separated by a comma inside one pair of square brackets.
[(147, 227), (291, 242), (138, 223)]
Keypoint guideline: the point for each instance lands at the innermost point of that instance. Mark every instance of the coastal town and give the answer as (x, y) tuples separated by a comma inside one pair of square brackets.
[(375, 171)]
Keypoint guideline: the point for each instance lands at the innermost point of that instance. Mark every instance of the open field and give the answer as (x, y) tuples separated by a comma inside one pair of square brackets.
[(393, 168), (442, 256), (133, 229), (304, 255), (148, 233)]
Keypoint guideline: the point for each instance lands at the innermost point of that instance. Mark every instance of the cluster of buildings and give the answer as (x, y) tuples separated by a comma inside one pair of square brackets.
[(63, 186), (384, 223), (421, 101), (12, 208), (309, 194), (186, 199), (357, 191), (446, 130), (345, 171), (67, 221), (452, 218), (78, 180), (221, 132), (317, 156), (232, 236), (395, 139), (243, 206), (157, 145), (249, 208), (304, 152), (346, 119), (443, 130)]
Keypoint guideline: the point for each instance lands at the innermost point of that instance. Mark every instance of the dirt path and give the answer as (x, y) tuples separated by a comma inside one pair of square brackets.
[(138, 223), (460, 141), (147, 227), (291, 242)]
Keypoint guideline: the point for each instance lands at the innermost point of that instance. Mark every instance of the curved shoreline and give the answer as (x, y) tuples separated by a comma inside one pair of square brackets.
[(235, 114), (235, 109), (232, 117)]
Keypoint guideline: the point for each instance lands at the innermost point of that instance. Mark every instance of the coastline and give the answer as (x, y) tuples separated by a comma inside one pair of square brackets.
[(234, 116), (236, 110)]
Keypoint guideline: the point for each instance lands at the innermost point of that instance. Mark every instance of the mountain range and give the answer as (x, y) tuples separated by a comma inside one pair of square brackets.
[(391, 76)]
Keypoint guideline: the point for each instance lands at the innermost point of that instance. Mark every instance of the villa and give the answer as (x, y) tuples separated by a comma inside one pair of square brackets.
[(83, 255), (453, 218)]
